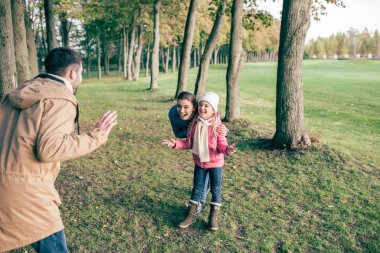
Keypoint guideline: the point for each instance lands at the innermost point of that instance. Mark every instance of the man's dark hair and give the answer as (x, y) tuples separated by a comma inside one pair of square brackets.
[(58, 59)]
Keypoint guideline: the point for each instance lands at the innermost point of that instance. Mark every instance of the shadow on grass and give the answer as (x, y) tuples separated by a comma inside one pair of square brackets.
[(161, 207), (254, 144)]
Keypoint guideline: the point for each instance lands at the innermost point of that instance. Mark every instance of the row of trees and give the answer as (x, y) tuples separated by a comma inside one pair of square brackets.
[(181, 32), (84, 22), (343, 45)]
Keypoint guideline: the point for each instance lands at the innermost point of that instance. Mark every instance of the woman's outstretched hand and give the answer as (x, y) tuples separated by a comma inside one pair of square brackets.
[(222, 130), (170, 143), (231, 149)]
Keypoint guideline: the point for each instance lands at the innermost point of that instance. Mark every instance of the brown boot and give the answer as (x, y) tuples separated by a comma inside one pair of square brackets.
[(190, 219), (213, 218)]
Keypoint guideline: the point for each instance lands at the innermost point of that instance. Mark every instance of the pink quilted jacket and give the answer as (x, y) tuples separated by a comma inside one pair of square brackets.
[(217, 146)]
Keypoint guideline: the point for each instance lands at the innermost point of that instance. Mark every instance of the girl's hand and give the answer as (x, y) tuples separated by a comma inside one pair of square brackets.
[(231, 149), (222, 130), (170, 143)]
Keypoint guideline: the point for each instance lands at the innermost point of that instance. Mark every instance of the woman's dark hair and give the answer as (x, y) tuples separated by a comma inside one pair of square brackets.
[(58, 59), (188, 96)]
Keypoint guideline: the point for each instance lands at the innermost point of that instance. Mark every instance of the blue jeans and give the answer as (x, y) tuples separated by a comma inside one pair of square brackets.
[(205, 189), (55, 243), (215, 184)]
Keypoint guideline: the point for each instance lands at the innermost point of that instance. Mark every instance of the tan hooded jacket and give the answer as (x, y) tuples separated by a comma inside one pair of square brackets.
[(36, 133)]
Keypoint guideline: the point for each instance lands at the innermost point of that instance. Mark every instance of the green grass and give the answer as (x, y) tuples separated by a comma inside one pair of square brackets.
[(129, 195)]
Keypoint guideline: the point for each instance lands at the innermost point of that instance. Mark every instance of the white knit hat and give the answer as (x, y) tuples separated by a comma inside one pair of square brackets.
[(212, 98)]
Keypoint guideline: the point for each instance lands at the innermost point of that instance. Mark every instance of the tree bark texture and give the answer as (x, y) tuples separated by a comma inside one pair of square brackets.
[(290, 123), (31, 45), (51, 34), (186, 47), (200, 83), (8, 75), (138, 53), (156, 47), (235, 62), (19, 35)]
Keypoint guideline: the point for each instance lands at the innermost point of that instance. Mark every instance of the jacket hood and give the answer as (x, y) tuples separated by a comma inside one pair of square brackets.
[(37, 89)]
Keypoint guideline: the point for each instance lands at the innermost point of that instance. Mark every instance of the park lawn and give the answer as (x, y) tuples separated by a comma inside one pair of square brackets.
[(129, 195)]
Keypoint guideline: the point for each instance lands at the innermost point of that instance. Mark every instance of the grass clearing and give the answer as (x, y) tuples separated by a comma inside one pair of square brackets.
[(129, 195)]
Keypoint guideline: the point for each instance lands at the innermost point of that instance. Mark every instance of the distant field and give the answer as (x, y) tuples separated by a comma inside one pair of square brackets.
[(129, 195)]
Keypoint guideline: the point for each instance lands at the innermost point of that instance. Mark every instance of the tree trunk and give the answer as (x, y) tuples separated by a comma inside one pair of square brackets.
[(186, 47), (195, 57), (125, 53), (105, 44), (174, 58), (290, 123), (138, 54), (99, 59), (50, 26), (31, 45), (200, 83), (216, 54), (147, 61), (142, 60), (156, 47), (167, 58), (8, 76), (44, 46), (131, 48), (20, 46), (199, 54), (88, 47), (178, 56), (120, 52), (162, 56), (235, 62), (64, 29)]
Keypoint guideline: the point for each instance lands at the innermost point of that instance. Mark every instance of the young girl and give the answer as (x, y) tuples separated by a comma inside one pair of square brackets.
[(180, 116), (209, 148)]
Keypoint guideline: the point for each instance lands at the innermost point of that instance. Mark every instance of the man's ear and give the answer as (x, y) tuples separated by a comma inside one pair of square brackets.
[(72, 73)]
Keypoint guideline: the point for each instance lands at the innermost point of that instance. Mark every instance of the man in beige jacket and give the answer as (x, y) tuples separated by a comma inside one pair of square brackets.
[(37, 131)]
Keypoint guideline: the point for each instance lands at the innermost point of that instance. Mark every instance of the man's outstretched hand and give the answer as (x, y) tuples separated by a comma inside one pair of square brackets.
[(107, 122)]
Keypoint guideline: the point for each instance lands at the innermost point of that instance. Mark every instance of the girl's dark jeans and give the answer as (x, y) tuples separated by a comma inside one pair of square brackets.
[(215, 184)]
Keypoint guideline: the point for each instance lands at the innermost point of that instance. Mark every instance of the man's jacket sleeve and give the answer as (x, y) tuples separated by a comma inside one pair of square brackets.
[(56, 140)]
